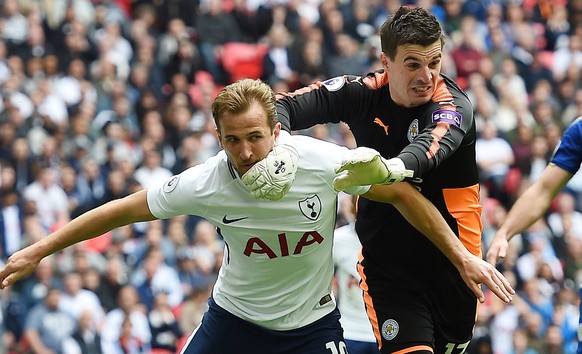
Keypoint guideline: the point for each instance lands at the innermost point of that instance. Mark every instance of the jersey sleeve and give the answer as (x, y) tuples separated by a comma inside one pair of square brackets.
[(449, 124), (568, 154), (185, 193), (319, 103)]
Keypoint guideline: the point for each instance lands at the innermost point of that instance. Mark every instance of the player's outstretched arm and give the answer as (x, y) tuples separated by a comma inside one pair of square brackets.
[(96, 222), (529, 207), (426, 218)]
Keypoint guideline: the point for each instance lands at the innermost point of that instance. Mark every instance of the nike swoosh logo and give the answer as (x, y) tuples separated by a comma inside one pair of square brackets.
[(228, 221)]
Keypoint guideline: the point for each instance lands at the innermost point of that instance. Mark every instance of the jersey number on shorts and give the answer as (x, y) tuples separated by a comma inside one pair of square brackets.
[(453, 346), (335, 350)]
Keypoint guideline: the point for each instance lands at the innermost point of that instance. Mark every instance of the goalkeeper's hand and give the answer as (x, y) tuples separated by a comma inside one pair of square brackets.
[(364, 166), (271, 177)]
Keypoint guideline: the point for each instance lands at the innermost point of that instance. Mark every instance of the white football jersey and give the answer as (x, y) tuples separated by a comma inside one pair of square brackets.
[(278, 267), (354, 320)]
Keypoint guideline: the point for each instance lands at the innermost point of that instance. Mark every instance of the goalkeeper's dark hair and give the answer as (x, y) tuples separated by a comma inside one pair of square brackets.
[(239, 96), (410, 26)]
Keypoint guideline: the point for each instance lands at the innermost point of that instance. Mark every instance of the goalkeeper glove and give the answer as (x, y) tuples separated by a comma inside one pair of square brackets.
[(364, 166), (271, 177)]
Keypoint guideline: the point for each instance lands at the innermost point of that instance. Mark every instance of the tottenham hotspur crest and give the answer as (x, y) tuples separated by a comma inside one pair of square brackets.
[(311, 207)]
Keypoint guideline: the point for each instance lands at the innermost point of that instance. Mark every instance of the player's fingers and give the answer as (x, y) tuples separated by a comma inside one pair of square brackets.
[(340, 183), (502, 290), (476, 289), (9, 280), (501, 293), (13, 277), (493, 255), (505, 284), (345, 166)]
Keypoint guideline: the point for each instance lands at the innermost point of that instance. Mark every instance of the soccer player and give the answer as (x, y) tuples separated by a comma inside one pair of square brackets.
[(274, 289), (420, 120), (358, 333), (536, 199)]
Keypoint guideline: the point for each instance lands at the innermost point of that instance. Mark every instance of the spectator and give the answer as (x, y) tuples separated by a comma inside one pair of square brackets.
[(564, 56), (21, 160), (91, 183), (534, 326), (128, 342), (346, 57), (539, 159), (87, 336), (50, 199), (75, 300), (151, 170), (126, 321), (313, 64), (193, 308), (508, 82), (47, 326), (216, 26), (494, 159), (190, 274), (153, 276), (113, 280), (68, 182), (187, 60), (520, 343), (469, 52), (554, 340), (164, 325), (280, 63), (11, 219)]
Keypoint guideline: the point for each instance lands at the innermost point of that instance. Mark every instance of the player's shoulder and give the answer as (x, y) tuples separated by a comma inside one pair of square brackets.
[(576, 124), (573, 132), (210, 172)]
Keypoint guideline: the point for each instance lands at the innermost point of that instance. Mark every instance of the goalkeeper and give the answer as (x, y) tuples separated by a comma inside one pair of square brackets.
[(422, 120), (273, 292)]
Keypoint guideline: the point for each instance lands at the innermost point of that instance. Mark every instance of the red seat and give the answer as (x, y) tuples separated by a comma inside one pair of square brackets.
[(243, 60)]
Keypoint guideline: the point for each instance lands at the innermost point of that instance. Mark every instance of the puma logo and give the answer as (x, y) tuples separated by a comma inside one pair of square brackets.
[(380, 123)]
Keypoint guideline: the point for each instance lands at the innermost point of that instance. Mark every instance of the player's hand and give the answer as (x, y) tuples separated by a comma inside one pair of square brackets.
[(272, 177), (476, 271), (364, 166), (18, 266), (498, 248)]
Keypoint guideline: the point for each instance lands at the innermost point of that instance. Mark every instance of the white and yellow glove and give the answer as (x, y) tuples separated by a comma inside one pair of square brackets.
[(364, 166), (272, 177)]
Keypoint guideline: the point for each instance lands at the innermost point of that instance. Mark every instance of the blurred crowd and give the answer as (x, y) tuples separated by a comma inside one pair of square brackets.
[(101, 98)]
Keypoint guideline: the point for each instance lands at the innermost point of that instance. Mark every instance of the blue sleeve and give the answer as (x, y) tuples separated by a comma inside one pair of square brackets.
[(568, 154)]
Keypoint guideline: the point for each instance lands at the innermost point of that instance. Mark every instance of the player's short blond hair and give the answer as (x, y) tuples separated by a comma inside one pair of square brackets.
[(239, 96)]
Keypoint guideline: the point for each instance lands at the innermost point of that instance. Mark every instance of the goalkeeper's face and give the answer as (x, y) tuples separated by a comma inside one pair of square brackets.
[(247, 137)]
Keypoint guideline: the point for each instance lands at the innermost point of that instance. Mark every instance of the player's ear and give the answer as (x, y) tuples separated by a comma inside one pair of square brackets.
[(277, 130), (385, 61), (218, 136)]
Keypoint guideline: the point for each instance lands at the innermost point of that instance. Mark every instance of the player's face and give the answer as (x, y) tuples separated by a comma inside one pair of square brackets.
[(246, 137), (413, 73)]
